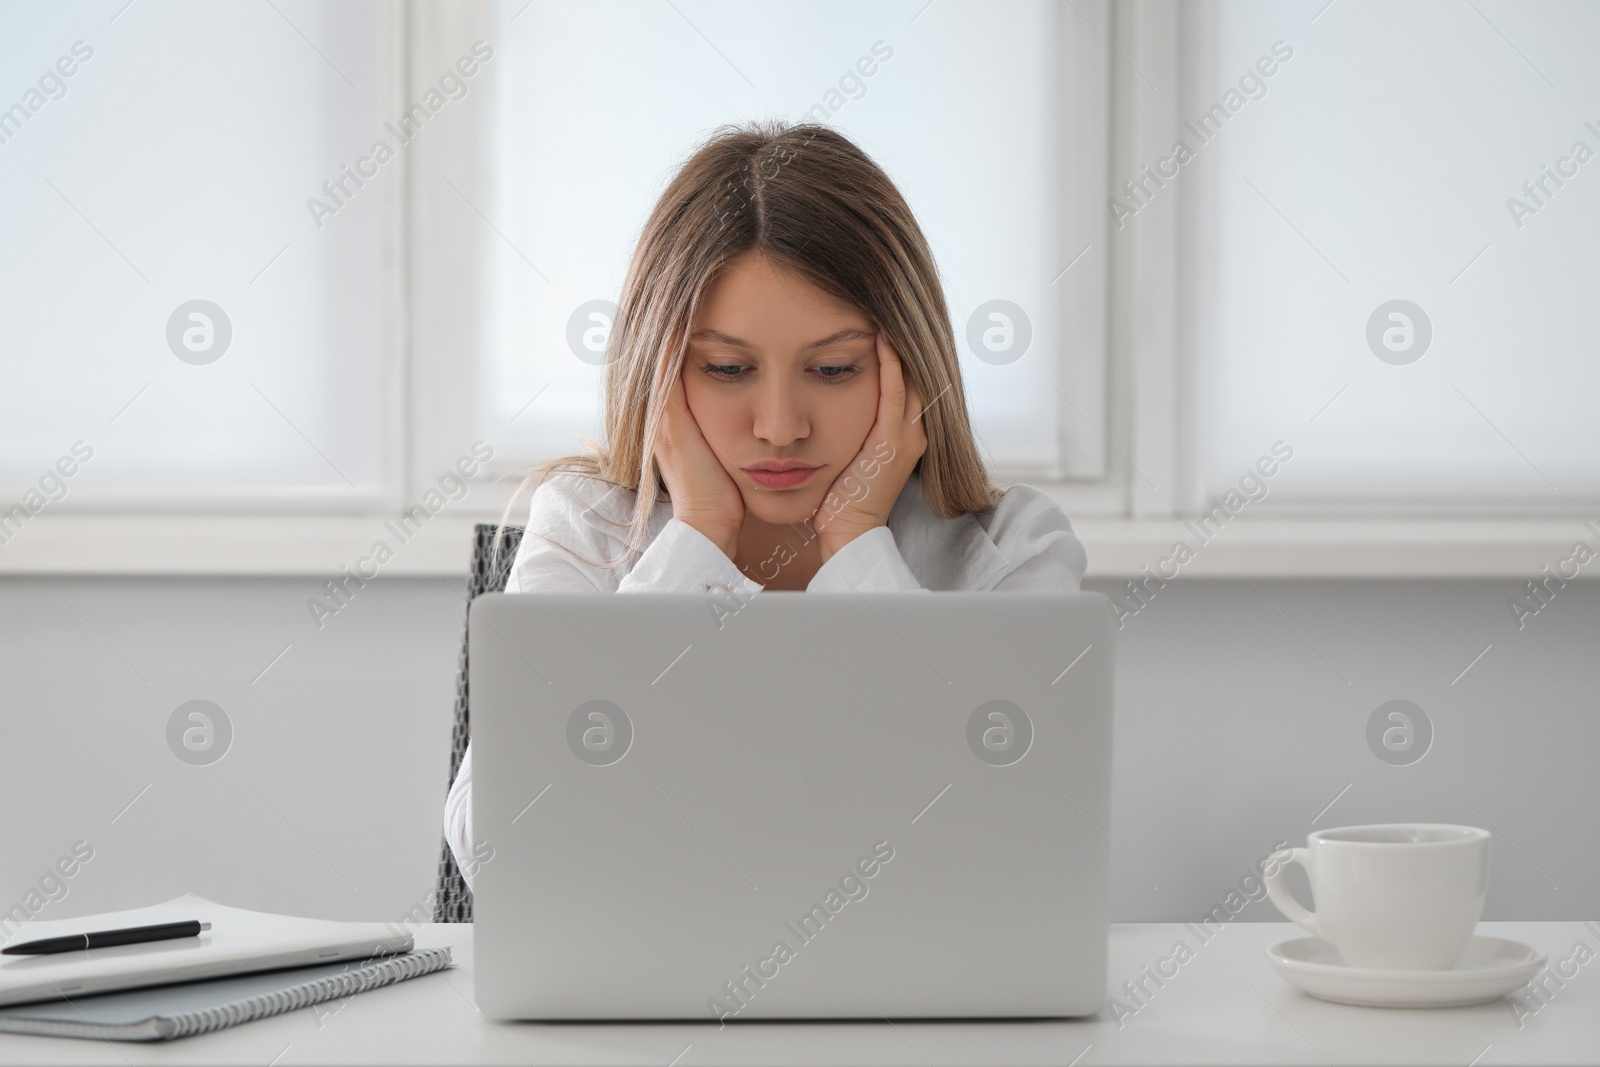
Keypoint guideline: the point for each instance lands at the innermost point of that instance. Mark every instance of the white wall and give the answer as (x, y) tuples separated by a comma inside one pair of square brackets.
[(1233, 732)]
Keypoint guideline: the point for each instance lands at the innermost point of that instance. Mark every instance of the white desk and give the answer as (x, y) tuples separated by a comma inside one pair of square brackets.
[(1224, 1006)]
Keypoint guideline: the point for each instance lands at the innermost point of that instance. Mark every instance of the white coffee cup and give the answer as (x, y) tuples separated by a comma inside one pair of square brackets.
[(1403, 896)]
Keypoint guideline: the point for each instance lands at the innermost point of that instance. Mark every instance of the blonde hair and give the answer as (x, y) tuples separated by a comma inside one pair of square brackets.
[(806, 197)]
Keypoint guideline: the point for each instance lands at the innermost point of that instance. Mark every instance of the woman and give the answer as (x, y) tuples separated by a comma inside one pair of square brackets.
[(781, 312)]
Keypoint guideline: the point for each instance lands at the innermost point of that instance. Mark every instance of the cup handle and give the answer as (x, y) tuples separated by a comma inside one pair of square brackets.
[(1284, 900)]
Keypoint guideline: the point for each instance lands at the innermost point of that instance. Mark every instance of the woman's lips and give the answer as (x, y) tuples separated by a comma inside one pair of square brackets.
[(781, 479)]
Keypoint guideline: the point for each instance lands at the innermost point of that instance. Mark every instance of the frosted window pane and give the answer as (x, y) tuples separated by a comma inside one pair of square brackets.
[(1376, 170), (175, 166), (964, 115)]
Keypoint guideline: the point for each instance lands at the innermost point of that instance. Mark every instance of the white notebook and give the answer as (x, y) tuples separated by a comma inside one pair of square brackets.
[(238, 942)]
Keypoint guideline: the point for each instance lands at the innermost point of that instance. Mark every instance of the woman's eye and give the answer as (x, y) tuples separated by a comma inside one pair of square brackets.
[(731, 372)]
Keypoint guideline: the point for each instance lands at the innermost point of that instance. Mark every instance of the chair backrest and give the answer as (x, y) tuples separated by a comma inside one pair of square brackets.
[(453, 900)]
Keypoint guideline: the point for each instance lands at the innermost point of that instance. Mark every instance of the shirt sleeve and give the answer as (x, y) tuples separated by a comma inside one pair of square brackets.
[(566, 537), (458, 815), (870, 563), (681, 559), (1030, 528), (1031, 534), (562, 543)]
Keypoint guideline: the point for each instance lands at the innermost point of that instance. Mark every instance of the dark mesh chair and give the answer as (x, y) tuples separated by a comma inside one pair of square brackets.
[(453, 901)]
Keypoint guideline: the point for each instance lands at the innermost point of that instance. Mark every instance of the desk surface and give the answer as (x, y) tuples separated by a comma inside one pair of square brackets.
[(1224, 1005)]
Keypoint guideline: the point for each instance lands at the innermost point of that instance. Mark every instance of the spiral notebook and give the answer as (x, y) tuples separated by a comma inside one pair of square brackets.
[(160, 1013)]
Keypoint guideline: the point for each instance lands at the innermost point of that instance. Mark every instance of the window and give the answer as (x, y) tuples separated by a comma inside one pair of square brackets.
[(173, 313), (216, 282), (1392, 265)]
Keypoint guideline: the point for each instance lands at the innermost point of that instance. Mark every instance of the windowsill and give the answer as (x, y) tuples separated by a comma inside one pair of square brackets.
[(1336, 548), (1117, 548)]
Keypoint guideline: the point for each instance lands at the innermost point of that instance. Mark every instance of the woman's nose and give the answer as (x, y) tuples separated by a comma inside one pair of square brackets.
[(780, 415)]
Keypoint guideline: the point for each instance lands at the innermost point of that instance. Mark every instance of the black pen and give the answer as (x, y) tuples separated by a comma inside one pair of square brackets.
[(128, 935)]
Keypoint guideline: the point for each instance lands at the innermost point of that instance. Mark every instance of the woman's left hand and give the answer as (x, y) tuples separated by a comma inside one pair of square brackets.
[(863, 494)]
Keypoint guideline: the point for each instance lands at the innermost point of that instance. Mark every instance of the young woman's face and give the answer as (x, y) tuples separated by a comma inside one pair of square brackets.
[(777, 369)]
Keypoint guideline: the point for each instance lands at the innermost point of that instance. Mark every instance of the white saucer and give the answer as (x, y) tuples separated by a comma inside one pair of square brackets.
[(1490, 968)]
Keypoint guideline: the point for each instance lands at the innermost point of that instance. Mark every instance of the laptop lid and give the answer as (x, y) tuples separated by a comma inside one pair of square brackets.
[(796, 806)]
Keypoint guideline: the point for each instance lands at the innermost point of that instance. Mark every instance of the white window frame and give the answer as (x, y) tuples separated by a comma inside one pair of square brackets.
[(1126, 353)]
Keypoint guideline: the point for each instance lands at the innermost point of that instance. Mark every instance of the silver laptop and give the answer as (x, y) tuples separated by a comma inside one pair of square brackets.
[(802, 805)]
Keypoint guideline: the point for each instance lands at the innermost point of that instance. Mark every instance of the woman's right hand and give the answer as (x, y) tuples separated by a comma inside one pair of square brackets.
[(703, 495)]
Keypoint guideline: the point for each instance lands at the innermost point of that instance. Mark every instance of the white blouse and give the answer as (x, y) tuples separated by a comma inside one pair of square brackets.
[(1022, 543)]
